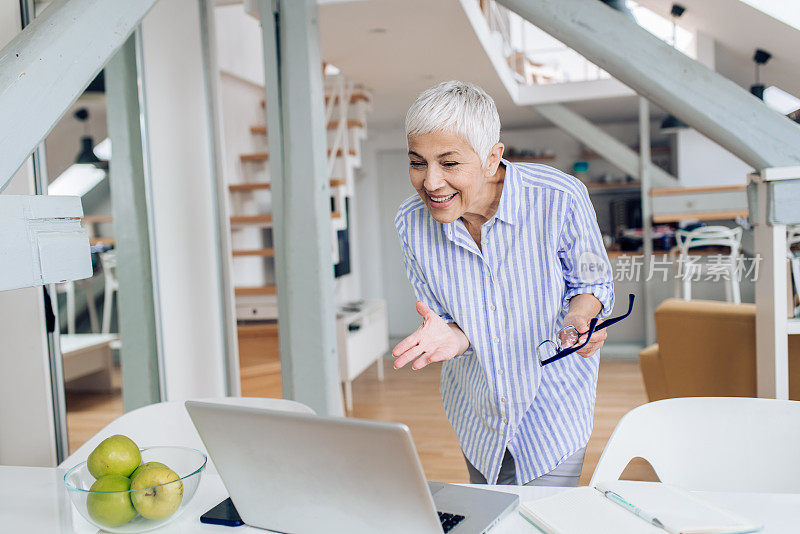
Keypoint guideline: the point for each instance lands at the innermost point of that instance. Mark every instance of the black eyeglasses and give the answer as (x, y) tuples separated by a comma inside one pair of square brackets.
[(550, 351)]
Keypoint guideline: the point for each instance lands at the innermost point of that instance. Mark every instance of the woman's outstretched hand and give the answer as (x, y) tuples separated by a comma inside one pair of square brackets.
[(434, 341)]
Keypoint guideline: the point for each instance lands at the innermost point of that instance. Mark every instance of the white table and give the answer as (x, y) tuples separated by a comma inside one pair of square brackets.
[(33, 499)]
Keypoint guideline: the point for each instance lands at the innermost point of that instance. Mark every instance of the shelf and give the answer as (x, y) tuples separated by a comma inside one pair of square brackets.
[(338, 182), (654, 151), (793, 326), (108, 241), (259, 129), (699, 216), (540, 159), (252, 219), (600, 187), (690, 190), (257, 156), (254, 290), (263, 252)]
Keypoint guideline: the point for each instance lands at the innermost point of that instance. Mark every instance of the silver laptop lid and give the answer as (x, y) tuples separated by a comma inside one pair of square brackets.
[(300, 473)]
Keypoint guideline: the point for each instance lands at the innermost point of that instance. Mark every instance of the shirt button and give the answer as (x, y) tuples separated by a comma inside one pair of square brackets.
[(500, 372), (502, 399), (493, 307), (497, 340), (505, 421)]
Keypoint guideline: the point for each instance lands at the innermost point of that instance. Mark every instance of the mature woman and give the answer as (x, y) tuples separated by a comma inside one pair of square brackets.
[(496, 253)]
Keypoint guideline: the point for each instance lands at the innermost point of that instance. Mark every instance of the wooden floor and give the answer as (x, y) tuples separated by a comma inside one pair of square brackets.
[(410, 397)]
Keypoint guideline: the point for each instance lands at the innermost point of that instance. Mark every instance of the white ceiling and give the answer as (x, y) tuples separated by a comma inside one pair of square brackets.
[(397, 48)]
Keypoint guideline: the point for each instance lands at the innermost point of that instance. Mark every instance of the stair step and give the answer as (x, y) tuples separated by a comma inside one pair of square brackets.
[(355, 97), (340, 152), (254, 290), (261, 129), (252, 186), (257, 156), (351, 123), (249, 186), (251, 219), (263, 252)]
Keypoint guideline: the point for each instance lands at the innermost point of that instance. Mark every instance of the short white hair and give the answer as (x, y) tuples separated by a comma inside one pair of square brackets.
[(461, 108)]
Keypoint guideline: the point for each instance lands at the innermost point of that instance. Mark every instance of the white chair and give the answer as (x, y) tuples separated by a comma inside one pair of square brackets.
[(69, 289), (710, 444), (725, 270), (108, 260), (168, 423)]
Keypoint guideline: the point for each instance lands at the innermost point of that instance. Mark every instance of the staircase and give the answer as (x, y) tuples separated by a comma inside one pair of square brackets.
[(346, 109)]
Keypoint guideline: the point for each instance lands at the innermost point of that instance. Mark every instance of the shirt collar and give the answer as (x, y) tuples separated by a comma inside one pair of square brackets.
[(508, 209)]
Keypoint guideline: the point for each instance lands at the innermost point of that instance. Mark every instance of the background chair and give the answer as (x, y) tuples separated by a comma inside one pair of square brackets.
[(168, 423), (109, 261), (707, 349), (725, 270), (711, 444)]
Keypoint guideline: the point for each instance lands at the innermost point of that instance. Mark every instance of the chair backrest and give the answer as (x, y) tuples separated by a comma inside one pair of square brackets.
[(707, 348), (720, 236), (711, 444), (108, 260), (168, 423)]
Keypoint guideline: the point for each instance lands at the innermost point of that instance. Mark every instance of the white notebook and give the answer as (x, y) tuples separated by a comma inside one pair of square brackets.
[(587, 509)]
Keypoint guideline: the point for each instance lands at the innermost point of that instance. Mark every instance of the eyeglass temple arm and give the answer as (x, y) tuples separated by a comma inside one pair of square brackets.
[(614, 320), (575, 348)]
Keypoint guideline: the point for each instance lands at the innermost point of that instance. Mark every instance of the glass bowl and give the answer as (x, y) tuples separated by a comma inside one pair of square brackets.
[(109, 508)]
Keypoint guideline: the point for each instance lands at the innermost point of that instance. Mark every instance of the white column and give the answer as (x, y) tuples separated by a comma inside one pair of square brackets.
[(772, 343), (645, 174), (184, 206)]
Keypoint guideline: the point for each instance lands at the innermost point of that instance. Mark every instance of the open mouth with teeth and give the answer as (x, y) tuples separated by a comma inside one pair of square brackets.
[(441, 201)]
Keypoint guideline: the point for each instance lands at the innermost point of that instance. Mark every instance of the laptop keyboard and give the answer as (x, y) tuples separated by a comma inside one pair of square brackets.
[(449, 521)]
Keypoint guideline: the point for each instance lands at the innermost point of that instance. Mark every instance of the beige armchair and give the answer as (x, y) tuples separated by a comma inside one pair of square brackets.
[(707, 349)]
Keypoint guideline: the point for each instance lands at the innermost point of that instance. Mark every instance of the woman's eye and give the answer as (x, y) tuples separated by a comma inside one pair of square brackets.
[(417, 163), (449, 164)]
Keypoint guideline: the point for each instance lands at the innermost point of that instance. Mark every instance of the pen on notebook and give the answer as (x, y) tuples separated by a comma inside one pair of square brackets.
[(650, 518)]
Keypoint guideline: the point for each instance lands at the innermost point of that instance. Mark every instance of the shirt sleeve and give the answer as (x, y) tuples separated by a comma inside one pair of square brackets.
[(583, 255), (418, 281)]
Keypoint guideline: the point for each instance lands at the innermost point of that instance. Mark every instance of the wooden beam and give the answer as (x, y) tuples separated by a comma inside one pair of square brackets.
[(46, 67), (707, 101), (611, 149), (302, 226)]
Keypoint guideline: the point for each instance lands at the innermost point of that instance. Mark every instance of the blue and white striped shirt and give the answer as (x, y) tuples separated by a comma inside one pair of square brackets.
[(508, 297)]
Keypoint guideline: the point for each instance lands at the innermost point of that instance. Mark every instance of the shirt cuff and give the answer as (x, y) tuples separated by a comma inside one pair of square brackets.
[(603, 292)]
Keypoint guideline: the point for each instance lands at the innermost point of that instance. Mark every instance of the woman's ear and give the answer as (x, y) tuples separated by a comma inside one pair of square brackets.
[(493, 161)]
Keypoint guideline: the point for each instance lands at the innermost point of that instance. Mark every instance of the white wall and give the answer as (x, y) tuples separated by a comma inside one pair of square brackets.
[(186, 255), (27, 434), (702, 162)]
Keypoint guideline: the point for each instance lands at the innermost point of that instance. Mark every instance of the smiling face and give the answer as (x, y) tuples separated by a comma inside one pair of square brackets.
[(448, 176)]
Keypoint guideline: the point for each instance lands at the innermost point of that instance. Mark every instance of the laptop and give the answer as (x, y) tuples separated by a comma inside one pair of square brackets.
[(302, 473)]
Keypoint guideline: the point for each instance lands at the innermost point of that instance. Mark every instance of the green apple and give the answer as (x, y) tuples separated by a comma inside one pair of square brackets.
[(144, 466), (113, 507), (117, 455), (156, 492)]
